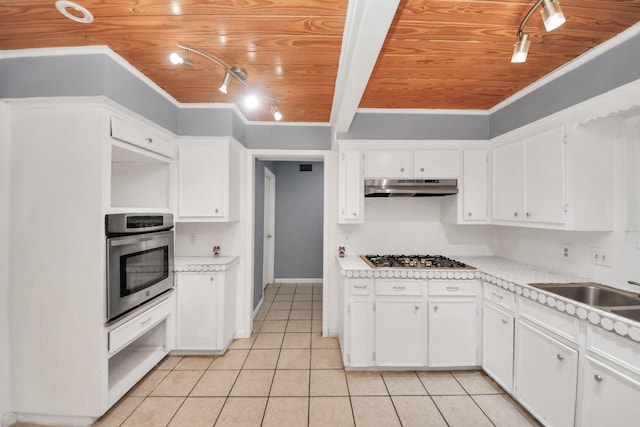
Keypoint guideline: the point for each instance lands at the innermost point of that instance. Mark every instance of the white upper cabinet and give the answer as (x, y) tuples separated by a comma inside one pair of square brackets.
[(208, 180), (435, 164), (350, 188), (474, 185), (142, 136), (507, 182), (529, 179), (388, 164), (544, 177), (558, 176)]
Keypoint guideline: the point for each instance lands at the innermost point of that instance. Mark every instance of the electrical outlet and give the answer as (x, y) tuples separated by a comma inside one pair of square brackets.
[(566, 252), (601, 256), (193, 237)]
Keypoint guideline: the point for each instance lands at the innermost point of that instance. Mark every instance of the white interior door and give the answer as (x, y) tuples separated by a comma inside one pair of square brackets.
[(268, 253)]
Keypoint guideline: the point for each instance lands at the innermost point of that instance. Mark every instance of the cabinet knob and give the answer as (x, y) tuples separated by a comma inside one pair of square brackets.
[(515, 214), (211, 279), (560, 357), (401, 169), (355, 214), (597, 377), (149, 140), (216, 211), (417, 307), (528, 214), (504, 321), (421, 169), (435, 308), (469, 214)]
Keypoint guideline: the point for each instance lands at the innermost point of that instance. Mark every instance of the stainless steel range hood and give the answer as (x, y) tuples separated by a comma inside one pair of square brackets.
[(410, 187)]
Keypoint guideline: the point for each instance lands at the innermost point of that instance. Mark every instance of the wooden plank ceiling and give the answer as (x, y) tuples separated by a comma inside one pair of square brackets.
[(438, 54)]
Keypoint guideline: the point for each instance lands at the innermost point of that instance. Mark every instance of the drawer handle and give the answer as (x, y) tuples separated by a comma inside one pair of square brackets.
[(149, 140), (504, 321), (360, 286), (399, 288), (598, 378), (496, 295), (560, 357), (145, 322), (453, 288)]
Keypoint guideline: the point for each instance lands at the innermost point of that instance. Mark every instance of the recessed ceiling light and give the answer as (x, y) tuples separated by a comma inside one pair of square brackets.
[(63, 7)]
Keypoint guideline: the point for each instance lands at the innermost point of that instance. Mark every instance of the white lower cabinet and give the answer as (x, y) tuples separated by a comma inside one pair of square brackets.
[(453, 333), (400, 332), (359, 336), (546, 375), (205, 311), (610, 397), (497, 345)]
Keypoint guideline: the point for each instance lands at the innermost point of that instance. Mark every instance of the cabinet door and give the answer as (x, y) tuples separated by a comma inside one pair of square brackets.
[(474, 185), (387, 164), (436, 164), (507, 182), (359, 334), (546, 373), (545, 177), (350, 188), (400, 332), (203, 187), (197, 311), (610, 397), (453, 332), (497, 345)]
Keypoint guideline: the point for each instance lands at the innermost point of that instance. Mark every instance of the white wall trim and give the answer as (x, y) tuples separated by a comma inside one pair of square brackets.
[(423, 111), (300, 281), (258, 307), (8, 419)]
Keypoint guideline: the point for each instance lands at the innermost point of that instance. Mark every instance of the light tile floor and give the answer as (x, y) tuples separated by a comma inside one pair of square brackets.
[(287, 375)]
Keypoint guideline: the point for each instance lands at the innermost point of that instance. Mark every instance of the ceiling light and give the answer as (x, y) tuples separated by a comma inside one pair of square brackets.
[(251, 101), (552, 17), (180, 60), (225, 83), (277, 115), (85, 16), (520, 50)]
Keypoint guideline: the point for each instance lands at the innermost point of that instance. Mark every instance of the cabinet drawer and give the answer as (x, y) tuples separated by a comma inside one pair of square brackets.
[(614, 347), (398, 287), (143, 137), (500, 297), (448, 287), (360, 287), (126, 333), (560, 323)]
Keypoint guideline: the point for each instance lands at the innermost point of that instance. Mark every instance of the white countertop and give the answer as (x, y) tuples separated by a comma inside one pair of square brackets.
[(204, 263), (510, 275)]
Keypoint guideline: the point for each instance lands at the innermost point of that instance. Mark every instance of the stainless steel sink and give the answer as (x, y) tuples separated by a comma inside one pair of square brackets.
[(632, 313), (591, 293)]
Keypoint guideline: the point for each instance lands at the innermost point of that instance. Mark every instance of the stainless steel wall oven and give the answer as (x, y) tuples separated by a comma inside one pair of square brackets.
[(139, 260)]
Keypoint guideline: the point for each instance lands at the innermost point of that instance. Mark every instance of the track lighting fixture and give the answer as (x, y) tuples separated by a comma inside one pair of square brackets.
[(251, 101), (552, 17), (277, 115)]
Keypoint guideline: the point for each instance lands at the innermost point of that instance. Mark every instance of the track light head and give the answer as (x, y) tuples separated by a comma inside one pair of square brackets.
[(520, 49), (277, 115), (552, 15), (225, 83), (180, 60)]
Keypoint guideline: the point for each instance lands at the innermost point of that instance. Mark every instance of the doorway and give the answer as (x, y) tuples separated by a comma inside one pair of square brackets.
[(251, 294)]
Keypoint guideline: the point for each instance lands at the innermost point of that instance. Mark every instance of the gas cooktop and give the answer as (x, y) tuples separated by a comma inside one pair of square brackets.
[(413, 261)]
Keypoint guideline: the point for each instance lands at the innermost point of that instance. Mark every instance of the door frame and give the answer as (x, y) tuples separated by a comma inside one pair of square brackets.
[(269, 247), (244, 317)]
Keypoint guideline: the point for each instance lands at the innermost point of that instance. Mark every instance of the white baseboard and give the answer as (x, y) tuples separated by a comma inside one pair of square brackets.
[(300, 281), (56, 420), (255, 311), (8, 419)]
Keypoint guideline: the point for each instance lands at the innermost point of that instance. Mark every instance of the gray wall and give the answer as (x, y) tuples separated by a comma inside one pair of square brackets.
[(607, 71), (299, 218), (258, 250)]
